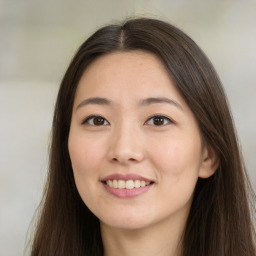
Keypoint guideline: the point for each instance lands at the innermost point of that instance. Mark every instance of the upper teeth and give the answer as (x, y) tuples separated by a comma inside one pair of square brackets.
[(129, 184)]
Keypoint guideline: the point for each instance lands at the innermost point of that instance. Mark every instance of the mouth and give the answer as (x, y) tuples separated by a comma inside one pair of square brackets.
[(127, 184)]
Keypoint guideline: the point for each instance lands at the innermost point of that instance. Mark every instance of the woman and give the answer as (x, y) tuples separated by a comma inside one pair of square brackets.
[(144, 157)]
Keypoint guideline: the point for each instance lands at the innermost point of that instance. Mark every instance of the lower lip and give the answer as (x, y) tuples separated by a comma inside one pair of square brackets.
[(127, 193)]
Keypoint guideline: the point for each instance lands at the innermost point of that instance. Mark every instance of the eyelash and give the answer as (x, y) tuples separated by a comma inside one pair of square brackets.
[(165, 119), (93, 117)]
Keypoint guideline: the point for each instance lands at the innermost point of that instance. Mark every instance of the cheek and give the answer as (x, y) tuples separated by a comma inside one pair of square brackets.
[(85, 159), (178, 157), (84, 154), (177, 169)]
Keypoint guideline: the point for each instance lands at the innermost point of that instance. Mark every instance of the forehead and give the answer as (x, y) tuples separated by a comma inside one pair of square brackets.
[(134, 70), (129, 61)]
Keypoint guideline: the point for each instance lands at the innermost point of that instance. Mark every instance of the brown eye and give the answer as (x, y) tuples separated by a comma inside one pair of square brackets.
[(158, 120), (98, 121), (95, 121)]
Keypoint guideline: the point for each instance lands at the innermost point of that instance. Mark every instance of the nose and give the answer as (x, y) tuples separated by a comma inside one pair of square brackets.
[(126, 145)]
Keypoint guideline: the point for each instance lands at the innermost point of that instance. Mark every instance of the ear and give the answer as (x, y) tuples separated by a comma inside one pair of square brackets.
[(209, 163)]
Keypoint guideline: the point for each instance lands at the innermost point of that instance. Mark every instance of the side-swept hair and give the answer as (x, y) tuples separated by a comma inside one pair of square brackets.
[(220, 222)]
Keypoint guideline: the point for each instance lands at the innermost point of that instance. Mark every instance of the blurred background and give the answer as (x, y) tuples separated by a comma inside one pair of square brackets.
[(37, 41)]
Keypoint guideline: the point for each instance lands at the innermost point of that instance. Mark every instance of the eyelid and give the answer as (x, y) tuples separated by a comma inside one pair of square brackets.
[(88, 118), (170, 121)]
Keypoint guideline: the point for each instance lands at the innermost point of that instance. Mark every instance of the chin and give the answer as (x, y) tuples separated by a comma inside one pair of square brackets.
[(127, 221), (123, 225)]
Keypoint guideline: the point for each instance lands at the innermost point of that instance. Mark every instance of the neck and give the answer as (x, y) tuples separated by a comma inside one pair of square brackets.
[(161, 239)]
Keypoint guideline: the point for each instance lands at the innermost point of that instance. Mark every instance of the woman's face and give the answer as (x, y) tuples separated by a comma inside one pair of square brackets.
[(134, 144)]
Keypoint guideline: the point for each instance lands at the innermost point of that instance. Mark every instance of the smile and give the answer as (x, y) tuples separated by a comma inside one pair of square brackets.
[(129, 184), (126, 185)]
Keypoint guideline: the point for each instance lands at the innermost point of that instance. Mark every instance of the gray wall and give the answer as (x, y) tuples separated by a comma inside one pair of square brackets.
[(37, 41)]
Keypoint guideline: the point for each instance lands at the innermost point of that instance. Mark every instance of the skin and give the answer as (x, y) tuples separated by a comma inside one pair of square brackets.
[(129, 140)]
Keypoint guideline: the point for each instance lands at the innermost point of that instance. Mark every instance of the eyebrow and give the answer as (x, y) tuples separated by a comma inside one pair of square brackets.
[(95, 100), (156, 100), (144, 102)]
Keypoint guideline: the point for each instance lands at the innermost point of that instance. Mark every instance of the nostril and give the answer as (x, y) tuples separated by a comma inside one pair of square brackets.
[(126, 156), (123, 160)]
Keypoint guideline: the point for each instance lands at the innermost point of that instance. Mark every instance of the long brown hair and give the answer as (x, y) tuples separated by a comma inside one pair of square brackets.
[(220, 222)]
